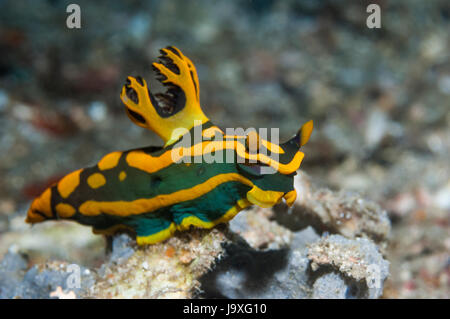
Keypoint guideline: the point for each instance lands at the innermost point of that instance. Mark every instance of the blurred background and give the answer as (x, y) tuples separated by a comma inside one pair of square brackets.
[(379, 98)]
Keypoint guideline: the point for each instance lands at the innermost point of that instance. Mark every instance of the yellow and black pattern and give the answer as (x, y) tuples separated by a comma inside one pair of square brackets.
[(156, 191)]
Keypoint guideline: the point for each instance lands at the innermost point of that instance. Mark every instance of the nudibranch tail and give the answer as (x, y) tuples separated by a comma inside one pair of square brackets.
[(40, 208)]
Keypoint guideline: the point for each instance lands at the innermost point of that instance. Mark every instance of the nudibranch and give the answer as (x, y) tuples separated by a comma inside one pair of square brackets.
[(156, 191)]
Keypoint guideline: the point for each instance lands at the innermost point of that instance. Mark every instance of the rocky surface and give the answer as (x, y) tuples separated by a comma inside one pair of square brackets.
[(340, 212), (253, 257), (300, 270), (54, 279), (359, 260), (168, 270)]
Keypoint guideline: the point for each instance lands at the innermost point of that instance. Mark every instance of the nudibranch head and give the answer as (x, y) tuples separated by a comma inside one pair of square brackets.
[(200, 177), (273, 176)]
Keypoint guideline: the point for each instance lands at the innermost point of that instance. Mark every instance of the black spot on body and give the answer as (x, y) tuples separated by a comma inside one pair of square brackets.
[(156, 181), (201, 171)]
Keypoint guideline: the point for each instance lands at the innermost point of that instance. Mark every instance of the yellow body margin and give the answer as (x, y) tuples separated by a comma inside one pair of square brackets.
[(191, 221), (158, 237), (144, 205), (150, 164), (197, 222)]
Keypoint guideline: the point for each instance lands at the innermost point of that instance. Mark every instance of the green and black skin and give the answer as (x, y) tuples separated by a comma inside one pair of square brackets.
[(205, 210), (177, 176)]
